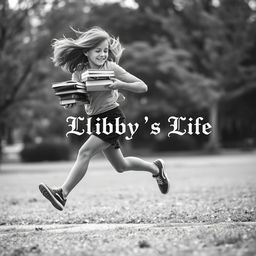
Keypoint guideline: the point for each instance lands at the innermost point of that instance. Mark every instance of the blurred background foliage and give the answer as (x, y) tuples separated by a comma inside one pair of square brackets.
[(197, 57)]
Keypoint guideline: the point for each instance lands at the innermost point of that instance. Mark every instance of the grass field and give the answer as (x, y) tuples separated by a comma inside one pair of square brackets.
[(210, 209)]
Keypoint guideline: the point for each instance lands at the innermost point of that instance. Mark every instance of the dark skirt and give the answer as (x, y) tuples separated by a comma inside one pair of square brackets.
[(111, 115)]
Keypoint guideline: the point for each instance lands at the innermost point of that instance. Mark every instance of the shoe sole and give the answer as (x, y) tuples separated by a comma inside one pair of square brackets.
[(48, 195), (162, 162)]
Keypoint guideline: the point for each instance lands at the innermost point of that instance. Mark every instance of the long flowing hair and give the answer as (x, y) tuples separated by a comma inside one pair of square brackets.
[(69, 53)]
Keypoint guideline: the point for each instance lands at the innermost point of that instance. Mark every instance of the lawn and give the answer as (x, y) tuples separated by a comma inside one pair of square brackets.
[(209, 210)]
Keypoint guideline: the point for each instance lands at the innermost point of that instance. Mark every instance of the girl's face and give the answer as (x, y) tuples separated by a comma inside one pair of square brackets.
[(98, 55)]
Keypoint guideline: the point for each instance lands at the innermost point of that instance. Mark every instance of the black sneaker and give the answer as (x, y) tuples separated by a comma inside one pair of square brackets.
[(53, 195), (161, 177)]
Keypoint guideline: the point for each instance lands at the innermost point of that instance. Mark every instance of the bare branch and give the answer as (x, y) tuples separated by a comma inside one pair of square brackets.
[(11, 97), (239, 92)]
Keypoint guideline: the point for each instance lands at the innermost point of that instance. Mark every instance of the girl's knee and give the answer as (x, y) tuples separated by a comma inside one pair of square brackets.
[(85, 153), (122, 167)]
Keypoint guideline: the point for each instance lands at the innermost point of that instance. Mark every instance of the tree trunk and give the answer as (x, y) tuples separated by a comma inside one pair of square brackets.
[(2, 131), (1, 150), (214, 140)]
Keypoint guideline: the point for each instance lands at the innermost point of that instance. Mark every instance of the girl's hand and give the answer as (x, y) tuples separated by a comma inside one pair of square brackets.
[(68, 106), (121, 98), (117, 84)]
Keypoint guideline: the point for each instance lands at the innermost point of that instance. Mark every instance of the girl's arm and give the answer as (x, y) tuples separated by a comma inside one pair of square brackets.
[(130, 83)]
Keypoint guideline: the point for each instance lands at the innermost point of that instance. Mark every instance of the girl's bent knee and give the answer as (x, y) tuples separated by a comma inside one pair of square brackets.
[(121, 168), (84, 153)]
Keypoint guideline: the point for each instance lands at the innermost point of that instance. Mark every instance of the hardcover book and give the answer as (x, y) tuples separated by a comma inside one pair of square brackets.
[(80, 91), (77, 96), (73, 101), (94, 74), (99, 85), (62, 86)]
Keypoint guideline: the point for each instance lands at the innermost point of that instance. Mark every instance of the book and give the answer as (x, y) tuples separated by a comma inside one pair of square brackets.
[(98, 71), (77, 91), (73, 101), (96, 78), (98, 85), (97, 74), (77, 96), (74, 98), (62, 86)]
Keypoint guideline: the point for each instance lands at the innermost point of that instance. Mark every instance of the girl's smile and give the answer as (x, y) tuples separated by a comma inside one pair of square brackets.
[(98, 55)]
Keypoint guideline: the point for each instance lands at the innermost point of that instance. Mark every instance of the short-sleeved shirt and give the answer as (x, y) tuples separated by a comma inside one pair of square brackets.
[(101, 102)]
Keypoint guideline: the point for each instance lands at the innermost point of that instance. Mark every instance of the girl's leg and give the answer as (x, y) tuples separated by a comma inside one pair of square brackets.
[(91, 147), (122, 164)]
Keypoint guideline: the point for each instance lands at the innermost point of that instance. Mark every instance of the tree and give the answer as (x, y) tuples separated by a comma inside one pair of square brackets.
[(219, 40), (26, 74), (227, 42), (16, 57)]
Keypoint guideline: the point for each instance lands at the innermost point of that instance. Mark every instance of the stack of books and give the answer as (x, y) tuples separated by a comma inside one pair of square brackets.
[(97, 80), (71, 92)]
